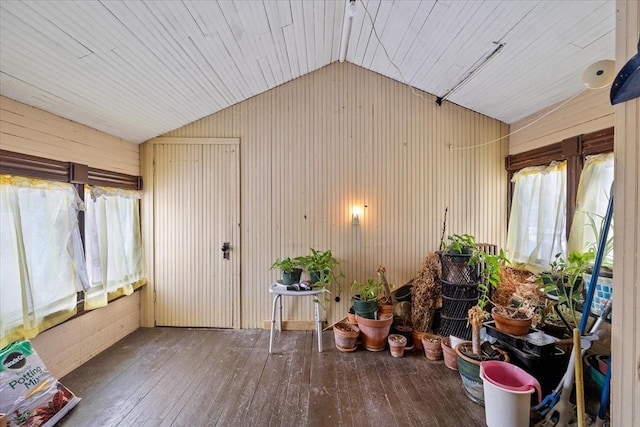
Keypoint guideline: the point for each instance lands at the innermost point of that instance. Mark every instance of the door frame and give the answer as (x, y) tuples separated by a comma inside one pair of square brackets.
[(147, 297)]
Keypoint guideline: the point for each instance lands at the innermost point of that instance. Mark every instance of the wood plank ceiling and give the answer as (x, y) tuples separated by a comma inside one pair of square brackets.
[(137, 69)]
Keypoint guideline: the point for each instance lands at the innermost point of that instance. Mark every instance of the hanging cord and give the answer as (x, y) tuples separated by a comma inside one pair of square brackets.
[(419, 95), (384, 49), (452, 148)]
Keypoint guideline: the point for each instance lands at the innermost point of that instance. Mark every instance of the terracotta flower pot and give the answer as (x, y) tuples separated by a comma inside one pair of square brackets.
[(397, 344), (405, 331), (385, 309), (345, 335), (510, 325), (351, 318), (450, 356), (417, 339), (374, 332), (432, 347)]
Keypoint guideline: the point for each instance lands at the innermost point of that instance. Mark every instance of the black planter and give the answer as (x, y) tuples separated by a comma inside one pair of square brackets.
[(291, 277), (365, 308), (316, 275)]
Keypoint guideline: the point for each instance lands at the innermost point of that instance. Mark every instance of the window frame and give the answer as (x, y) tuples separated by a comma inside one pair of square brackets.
[(78, 174), (573, 150)]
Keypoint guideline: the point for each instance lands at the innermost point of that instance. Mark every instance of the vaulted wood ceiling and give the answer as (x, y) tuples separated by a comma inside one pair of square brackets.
[(137, 69)]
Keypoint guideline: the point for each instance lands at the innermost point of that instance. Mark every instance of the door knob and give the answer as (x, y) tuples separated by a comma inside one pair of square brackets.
[(225, 250)]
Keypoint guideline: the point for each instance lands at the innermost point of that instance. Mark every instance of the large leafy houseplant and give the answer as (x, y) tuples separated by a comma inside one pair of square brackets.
[(322, 269), (321, 266), (564, 281)]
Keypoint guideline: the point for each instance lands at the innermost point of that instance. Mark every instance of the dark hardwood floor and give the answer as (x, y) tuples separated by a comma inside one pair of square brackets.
[(196, 377)]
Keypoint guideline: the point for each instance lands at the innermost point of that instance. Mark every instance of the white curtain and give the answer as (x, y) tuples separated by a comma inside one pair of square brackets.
[(538, 216), (114, 244), (41, 258), (592, 200)]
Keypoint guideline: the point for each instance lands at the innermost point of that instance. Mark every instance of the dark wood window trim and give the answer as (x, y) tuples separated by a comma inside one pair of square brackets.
[(573, 150), (18, 164)]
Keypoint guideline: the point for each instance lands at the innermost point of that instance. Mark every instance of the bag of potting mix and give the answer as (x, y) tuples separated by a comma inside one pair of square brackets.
[(29, 394)]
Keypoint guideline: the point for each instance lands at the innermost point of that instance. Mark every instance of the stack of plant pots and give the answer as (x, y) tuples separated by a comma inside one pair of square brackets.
[(459, 293)]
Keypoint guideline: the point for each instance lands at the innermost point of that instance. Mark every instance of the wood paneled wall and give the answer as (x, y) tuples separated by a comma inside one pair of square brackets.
[(69, 345), (625, 347), (587, 112), (340, 137), (29, 130)]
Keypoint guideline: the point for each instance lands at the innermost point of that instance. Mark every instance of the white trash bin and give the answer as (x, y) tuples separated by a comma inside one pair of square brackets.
[(507, 394)]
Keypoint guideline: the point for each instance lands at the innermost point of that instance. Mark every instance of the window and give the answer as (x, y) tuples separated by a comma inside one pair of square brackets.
[(42, 227), (114, 244), (42, 259), (592, 200), (538, 216), (589, 173)]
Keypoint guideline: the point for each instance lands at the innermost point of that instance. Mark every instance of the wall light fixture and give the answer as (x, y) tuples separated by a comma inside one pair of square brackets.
[(355, 215)]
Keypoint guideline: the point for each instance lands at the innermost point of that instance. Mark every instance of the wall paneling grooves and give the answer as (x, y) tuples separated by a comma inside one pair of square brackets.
[(340, 137)]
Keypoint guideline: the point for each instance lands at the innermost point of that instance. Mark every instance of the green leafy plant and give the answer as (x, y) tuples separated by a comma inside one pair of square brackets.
[(596, 224), (490, 273), (459, 244), (490, 263), (564, 280), (368, 290), (286, 264), (321, 265)]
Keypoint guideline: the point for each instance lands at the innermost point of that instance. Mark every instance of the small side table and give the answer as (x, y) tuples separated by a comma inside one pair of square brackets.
[(278, 291)]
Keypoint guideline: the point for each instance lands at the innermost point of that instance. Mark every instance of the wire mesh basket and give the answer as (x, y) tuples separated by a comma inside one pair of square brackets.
[(456, 291), (454, 326), (457, 308), (456, 269)]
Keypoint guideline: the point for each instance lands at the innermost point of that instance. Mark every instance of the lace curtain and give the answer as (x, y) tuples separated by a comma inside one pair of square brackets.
[(115, 259), (538, 216), (592, 200), (42, 259)]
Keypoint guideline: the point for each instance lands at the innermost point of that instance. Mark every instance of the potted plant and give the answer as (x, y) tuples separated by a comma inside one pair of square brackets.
[(345, 336), (321, 266), (365, 297), (431, 344), (289, 269), (397, 344), (564, 282), (514, 320), (456, 259), (374, 332)]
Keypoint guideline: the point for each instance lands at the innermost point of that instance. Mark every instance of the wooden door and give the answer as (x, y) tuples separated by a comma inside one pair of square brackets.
[(196, 210)]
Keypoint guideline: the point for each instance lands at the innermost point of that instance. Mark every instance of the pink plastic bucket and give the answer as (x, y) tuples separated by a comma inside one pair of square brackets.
[(507, 391)]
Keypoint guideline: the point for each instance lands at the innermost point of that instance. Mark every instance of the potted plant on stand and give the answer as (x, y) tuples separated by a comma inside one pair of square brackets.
[(289, 269), (321, 266)]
